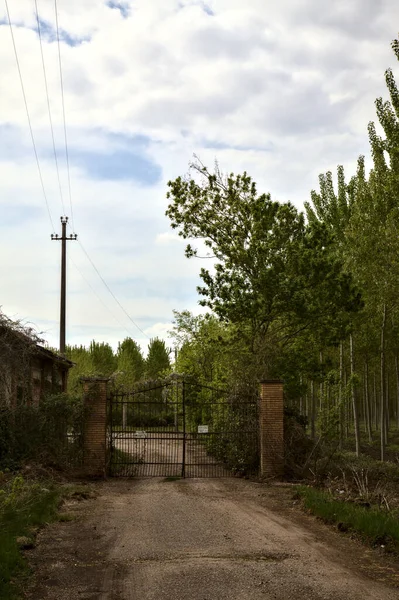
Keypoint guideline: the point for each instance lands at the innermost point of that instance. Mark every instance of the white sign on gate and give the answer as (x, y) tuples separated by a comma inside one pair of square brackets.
[(140, 434), (203, 429)]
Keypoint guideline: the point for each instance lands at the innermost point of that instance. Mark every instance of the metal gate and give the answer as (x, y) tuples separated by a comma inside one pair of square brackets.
[(182, 429)]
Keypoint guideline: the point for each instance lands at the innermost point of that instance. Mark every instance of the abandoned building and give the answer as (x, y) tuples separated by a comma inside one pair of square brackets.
[(28, 370)]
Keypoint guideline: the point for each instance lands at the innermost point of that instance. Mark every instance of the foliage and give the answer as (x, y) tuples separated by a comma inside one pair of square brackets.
[(298, 448), (126, 367), (208, 348), (130, 362), (24, 506), (50, 433), (99, 359), (271, 267), (232, 417), (158, 361), (84, 366), (378, 527), (17, 347), (102, 355), (312, 298)]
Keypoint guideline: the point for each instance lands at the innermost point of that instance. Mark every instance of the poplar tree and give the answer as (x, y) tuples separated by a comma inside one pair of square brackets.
[(130, 361)]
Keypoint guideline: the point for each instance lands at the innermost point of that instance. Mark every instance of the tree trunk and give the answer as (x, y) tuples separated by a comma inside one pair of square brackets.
[(354, 399), (312, 411), (397, 389), (367, 406), (382, 396), (346, 407), (387, 405), (307, 411), (300, 397), (321, 382), (340, 395), (322, 399), (375, 403)]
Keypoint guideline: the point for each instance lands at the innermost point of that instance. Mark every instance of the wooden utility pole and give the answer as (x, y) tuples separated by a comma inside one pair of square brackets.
[(63, 239)]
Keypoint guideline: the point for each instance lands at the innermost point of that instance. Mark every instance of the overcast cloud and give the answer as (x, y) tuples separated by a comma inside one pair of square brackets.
[(281, 89)]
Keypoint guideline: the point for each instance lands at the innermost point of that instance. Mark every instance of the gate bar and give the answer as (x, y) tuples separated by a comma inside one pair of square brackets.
[(183, 467)]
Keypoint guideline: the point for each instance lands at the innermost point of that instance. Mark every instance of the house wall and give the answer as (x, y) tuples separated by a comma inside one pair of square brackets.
[(47, 377)]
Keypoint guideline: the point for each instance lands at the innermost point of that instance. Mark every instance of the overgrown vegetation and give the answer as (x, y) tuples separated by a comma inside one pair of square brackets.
[(49, 433), (358, 494), (376, 526), (309, 298), (24, 507), (17, 347), (127, 365)]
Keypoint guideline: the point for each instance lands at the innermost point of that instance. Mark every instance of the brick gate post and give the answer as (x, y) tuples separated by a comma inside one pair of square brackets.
[(271, 415), (95, 431)]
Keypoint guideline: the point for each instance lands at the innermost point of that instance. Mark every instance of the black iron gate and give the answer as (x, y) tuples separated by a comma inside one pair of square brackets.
[(183, 429)]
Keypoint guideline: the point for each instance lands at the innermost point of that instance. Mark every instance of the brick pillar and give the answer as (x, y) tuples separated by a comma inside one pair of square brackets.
[(95, 447), (271, 415)]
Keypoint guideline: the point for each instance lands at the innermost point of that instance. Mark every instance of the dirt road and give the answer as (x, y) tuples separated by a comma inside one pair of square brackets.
[(152, 539)]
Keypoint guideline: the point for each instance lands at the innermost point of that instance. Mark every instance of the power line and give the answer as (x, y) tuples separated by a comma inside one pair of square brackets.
[(28, 115), (63, 111), (111, 292), (98, 297), (54, 148), (48, 106)]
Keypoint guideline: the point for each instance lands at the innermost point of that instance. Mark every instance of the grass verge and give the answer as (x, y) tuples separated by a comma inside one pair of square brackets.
[(373, 525), (25, 506)]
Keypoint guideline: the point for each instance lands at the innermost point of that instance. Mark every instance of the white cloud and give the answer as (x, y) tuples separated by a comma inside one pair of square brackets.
[(167, 237), (283, 90)]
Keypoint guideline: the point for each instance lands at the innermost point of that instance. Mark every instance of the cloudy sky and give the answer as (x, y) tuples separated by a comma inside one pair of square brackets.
[(283, 89)]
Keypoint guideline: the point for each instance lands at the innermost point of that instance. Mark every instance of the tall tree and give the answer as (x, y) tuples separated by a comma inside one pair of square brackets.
[(130, 361), (103, 358), (158, 359), (83, 366), (274, 276)]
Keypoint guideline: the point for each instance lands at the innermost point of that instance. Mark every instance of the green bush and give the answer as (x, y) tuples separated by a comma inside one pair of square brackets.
[(51, 432), (298, 447)]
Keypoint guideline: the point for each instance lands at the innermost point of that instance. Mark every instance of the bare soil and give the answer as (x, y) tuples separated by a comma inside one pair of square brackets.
[(202, 539)]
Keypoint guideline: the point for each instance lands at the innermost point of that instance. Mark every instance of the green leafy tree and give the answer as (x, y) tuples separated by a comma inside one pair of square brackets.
[(103, 358), (362, 217), (274, 276), (158, 359), (206, 347), (84, 366), (130, 362)]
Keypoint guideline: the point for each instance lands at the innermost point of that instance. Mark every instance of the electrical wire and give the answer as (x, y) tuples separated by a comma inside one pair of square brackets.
[(98, 297), (28, 115), (48, 107), (55, 156), (111, 292), (63, 111), (55, 153)]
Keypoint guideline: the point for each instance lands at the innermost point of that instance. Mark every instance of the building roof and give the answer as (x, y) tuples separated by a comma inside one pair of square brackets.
[(54, 356), (16, 337)]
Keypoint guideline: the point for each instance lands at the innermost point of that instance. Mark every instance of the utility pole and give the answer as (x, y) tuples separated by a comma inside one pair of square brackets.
[(63, 239)]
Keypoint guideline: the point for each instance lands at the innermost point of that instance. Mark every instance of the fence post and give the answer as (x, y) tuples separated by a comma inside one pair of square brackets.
[(271, 416), (95, 431)]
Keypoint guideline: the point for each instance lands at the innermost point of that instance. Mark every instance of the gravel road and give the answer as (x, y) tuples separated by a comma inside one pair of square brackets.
[(210, 539)]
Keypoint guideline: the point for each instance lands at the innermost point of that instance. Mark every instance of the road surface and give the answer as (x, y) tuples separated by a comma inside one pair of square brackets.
[(209, 539)]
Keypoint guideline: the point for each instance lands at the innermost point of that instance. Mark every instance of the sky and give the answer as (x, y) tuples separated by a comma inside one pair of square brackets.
[(283, 90)]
